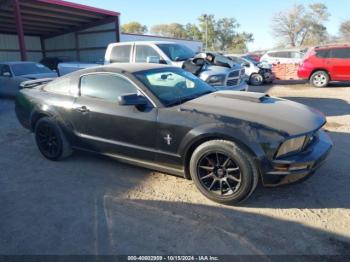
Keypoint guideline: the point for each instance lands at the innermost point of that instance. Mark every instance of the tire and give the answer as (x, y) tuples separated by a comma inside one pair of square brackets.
[(319, 79), (209, 163), (256, 79), (50, 140)]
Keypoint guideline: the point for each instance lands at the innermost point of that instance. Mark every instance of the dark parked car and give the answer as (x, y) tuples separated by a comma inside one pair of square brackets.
[(52, 62), (165, 118), (12, 74)]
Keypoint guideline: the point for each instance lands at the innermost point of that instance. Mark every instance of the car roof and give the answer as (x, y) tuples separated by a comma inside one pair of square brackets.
[(332, 46), (146, 42), (135, 67), (18, 62), (122, 68), (285, 50)]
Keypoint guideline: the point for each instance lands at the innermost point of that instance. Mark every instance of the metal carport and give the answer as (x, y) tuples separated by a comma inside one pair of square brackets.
[(47, 19)]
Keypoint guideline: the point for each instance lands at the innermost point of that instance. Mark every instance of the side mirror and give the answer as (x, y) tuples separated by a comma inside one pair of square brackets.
[(132, 100), (246, 64), (6, 74), (153, 59)]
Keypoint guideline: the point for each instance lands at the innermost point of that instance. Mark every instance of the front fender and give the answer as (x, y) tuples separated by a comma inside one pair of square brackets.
[(241, 132)]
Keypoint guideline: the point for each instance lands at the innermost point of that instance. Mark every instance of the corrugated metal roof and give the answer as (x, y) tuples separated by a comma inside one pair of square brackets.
[(49, 18)]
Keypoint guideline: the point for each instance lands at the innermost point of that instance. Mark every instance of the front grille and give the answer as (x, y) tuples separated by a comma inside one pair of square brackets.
[(234, 74), (232, 82)]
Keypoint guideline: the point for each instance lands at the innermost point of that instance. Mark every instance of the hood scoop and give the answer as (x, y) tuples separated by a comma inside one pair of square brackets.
[(245, 96)]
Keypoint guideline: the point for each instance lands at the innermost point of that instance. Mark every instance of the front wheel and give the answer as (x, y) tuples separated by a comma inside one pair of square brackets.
[(256, 79), (223, 172), (319, 79)]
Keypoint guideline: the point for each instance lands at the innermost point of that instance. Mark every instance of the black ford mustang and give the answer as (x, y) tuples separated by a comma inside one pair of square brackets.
[(166, 119)]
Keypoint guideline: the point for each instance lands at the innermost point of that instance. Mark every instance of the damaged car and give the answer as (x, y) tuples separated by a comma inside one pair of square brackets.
[(257, 73), (164, 118)]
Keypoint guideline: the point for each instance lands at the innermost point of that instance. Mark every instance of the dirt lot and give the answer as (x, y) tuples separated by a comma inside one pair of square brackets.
[(95, 205)]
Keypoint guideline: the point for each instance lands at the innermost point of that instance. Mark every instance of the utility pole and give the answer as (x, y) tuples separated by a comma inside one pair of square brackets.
[(206, 32)]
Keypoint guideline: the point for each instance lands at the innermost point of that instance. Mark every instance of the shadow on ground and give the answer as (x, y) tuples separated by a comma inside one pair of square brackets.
[(329, 106)]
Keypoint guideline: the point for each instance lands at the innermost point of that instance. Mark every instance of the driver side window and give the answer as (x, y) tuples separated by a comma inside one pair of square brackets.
[(105, 87), (143, 51)]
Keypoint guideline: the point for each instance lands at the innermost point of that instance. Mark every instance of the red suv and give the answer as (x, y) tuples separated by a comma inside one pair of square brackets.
[(324, 64)]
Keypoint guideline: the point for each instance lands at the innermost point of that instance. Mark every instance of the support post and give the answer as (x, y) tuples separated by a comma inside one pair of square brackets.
[(43, 48), (20, 32), (77, 45), (117, 29)]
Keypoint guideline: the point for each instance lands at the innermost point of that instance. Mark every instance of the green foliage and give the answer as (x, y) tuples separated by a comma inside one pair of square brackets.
[(134, 28), (174, 30), (217, 35)]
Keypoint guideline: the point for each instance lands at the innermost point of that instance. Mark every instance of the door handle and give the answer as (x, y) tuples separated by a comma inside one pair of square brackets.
[(82, 109)]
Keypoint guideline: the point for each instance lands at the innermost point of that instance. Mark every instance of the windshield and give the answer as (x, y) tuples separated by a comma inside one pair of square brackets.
[(173, 86), (177, 52), (251, 59), (21, 69)]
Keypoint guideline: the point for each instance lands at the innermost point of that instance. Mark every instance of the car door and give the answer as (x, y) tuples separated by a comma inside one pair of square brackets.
[(339, 63), (108, 127), (6, 81)]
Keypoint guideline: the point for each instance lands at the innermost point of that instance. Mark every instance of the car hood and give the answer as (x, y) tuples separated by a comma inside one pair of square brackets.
[(276, 113), (39, 76)]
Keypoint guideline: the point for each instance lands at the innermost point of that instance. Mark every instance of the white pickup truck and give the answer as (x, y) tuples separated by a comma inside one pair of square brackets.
[(220, 72)]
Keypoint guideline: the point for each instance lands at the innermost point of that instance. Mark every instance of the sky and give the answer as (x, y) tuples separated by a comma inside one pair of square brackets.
[(254, 16)]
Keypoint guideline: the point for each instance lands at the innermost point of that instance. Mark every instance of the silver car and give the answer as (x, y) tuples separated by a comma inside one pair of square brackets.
[(12, 74)]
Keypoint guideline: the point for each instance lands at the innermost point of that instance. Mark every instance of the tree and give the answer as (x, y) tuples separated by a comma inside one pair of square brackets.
[(134, 28), (226, 32), (240, 42), (345, 29), (301, 26), (193, 32), (207, 26), (174, 30)]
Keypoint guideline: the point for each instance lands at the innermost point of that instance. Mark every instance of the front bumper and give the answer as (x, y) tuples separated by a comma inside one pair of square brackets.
[(298, 167), (243, 86)]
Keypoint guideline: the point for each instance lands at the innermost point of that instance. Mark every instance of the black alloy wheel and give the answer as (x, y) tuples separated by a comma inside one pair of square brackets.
[(223, 172), (50, 140), (219, 173)]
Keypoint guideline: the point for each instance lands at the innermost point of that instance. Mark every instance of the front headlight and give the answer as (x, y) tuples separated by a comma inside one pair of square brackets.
[(217, 80), (290, 146)]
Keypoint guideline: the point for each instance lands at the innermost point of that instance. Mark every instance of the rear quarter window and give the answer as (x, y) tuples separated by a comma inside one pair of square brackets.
[(60, 86), (322, 53)]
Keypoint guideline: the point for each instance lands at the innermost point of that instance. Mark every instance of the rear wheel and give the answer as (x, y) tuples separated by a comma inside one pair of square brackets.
[(223, 172), (320, 79), (50, 140)]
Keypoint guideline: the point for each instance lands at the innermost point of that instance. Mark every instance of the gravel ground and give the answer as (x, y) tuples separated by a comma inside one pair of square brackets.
[(94, 205)]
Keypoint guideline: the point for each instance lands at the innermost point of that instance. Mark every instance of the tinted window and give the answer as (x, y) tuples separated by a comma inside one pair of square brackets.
[(5, 70), (342, 53), (104, 86), (280, 54), (60, 86), (322, 53), (143, 51), (121, 54), (177, 52), (21, 69)]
